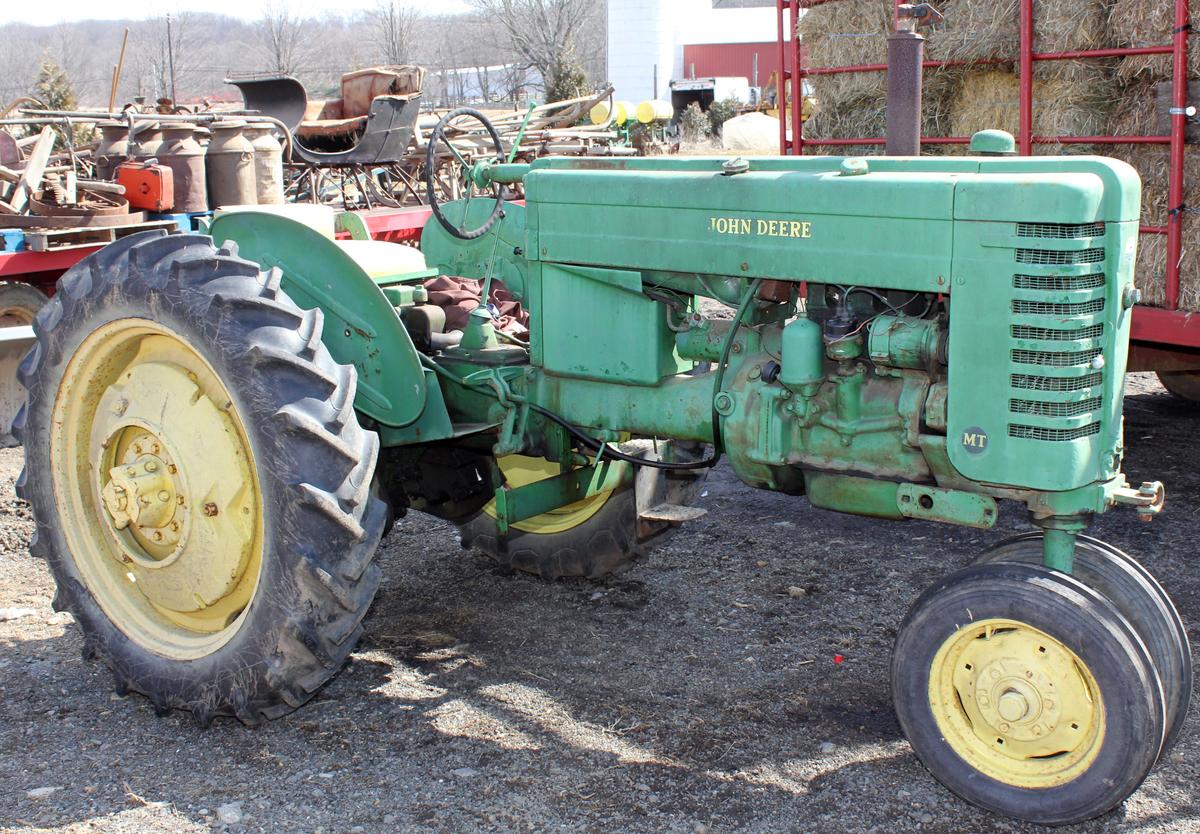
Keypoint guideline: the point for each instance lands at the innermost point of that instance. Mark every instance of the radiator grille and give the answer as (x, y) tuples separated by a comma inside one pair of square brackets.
[(1029, 382), (1056, 257), (1049, 334), (1064, 310), (1060, 231), (1054, 308), (1059, 282), (1053, 359), (1054, 435), (1051, 409)]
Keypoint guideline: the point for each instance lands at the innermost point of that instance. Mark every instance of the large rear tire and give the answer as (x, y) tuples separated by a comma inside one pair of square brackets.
[(199, 480)]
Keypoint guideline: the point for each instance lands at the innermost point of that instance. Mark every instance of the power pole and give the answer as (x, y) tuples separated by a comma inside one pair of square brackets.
[(171, 60)]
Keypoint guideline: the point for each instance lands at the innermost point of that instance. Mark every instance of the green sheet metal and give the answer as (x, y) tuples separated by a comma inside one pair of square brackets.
[(361, 326)]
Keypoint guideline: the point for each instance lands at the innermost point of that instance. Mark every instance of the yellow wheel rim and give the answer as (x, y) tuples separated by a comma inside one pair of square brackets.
[(1016, 704), (157, 490), (519, 471), (16, 316)]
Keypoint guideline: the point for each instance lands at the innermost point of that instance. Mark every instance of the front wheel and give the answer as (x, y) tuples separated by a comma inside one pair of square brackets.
[(1027, 694), (1124, 582), (199, 480)]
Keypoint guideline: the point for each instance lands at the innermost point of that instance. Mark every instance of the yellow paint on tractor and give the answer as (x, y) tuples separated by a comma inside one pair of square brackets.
[(1016, 704), (156, 479), (519, 471)]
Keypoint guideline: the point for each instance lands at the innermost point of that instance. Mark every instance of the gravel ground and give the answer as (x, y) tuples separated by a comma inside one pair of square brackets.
[(691, 694)]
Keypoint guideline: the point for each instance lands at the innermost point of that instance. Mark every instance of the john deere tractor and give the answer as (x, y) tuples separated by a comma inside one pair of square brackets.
[(219, 427)]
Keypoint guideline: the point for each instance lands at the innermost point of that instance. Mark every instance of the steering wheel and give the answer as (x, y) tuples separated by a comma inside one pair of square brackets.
[(438, 137)]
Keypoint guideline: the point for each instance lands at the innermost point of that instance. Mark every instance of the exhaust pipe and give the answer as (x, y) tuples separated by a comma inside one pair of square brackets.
[(906, 54)]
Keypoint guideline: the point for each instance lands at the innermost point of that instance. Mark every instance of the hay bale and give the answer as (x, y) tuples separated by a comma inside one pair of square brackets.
[(1134, 114), (843, 114), (855, 31), (851, 32), (1069, 100), (1152, 164), (1134, 23)]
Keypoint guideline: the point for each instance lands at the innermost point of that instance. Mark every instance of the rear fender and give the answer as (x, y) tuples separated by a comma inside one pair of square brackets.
[(361, 327)]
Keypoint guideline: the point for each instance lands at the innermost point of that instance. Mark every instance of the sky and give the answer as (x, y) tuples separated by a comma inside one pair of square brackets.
[(48, 13)]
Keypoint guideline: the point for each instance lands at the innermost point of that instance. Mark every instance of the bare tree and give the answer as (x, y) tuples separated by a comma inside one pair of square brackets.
[(392, 30), (545, 34), (285, 38)]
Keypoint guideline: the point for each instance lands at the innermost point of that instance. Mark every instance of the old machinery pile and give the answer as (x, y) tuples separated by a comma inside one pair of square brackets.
[(218, 429)]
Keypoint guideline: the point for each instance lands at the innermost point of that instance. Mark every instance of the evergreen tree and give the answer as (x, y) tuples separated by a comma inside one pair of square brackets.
[(53, 89)]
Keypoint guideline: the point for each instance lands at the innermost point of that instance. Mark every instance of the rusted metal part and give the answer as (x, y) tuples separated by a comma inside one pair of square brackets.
[(69, 221), (10, 153), (268, 163), (88, 204), (183, 155), (112, 148), (906, 51), (230, 166)]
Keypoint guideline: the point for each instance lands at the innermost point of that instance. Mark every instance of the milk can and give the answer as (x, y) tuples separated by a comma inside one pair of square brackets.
[(230, 163), (183, 155), (146, 141), (111, 149), (268, 163)]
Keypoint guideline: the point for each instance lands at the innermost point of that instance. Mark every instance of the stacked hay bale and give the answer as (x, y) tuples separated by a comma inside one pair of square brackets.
[(1139, 23), (961, 100), (1071, 98), (850, 32)]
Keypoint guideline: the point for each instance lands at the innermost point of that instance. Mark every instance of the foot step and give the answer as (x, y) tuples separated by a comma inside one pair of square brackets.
[(672, 513)]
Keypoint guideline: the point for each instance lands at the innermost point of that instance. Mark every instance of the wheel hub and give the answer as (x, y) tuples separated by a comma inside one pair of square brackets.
[(1016, 700), (154, 468), (1016, 703), (144, 493)]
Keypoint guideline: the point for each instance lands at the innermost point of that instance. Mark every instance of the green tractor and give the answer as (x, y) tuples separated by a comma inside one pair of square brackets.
[(219, 428)]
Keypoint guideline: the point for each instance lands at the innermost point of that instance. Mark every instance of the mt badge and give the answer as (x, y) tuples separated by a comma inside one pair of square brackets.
[(975, 440)]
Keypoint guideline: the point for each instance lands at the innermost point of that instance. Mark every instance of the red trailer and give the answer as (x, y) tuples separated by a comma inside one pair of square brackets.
[(1164, 339)]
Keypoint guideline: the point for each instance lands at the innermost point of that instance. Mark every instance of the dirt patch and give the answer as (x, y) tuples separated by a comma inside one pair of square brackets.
[(693, 693)]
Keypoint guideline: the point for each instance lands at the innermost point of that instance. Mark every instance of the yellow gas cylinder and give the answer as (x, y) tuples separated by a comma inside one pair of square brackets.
[(621, 111), (654, 111)]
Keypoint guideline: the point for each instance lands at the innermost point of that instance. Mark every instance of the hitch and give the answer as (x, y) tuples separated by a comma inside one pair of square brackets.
[(1147, 499)]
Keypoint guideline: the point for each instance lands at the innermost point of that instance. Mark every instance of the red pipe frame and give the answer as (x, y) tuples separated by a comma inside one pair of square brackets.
[(1156, 322)]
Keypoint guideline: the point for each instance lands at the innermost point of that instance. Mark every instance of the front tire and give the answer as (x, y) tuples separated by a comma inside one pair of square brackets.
[(199, 480), (1026, 693), (1124, 582)]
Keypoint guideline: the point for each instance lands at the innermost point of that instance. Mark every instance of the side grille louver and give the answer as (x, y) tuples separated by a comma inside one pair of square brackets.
[(1054, 257), (1060, 231), (1057, 333)]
